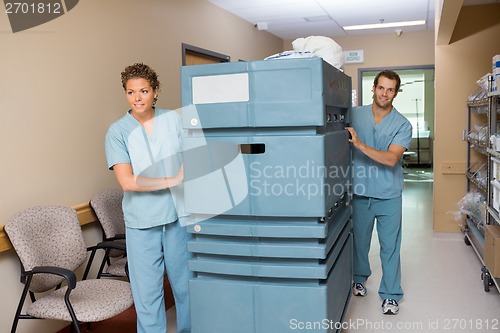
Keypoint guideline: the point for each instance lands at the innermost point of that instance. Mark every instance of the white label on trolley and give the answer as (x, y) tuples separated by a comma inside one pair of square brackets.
[(224, 88)]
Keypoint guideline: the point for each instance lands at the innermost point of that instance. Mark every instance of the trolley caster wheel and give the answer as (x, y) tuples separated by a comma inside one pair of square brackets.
[(467, 241), (487, 280)]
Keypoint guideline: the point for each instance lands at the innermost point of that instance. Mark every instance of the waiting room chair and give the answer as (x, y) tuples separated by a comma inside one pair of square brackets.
[(49, 243), (107, 206)]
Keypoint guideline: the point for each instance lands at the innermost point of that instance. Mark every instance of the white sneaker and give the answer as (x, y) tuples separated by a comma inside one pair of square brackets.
[(390, 306), (358, 289)]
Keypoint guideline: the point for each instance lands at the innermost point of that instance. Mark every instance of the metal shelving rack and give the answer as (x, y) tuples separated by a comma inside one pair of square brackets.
[(493, 216), (482, 115), (477, 136)]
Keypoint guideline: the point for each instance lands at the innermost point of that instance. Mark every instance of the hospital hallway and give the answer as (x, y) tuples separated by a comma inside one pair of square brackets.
[(441, 278)]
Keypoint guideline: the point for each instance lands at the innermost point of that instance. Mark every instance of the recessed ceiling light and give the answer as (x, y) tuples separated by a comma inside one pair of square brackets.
[(318, 18), (384, 25)]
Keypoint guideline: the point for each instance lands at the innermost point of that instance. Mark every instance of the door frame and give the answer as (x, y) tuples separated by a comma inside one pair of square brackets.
[(187, 48)]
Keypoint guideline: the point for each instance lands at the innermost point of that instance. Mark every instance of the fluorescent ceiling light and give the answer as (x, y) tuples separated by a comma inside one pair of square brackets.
[(384, 25)]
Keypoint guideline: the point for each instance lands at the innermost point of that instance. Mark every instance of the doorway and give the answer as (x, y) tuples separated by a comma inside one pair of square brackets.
[(193, 55), (415, 101)]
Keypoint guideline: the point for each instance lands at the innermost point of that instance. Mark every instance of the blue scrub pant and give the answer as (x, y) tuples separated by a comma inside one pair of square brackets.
[(388, 213), (150, 252)]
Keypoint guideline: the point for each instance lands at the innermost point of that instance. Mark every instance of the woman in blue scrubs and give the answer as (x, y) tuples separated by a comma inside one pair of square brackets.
[(143, 148), (380, 136)]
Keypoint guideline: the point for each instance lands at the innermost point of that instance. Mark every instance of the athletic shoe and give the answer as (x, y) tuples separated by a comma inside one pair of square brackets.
[(358, 289), (390, 306)]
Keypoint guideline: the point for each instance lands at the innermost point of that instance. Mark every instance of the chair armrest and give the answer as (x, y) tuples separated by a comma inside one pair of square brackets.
[(66, 273), (116, 237), (108, 245)]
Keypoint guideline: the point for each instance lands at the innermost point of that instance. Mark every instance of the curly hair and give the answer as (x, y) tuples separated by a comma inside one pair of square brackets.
[(140, 71)]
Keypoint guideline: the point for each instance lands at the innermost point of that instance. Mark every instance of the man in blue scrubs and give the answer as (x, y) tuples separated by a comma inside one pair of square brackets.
[(380, 136)]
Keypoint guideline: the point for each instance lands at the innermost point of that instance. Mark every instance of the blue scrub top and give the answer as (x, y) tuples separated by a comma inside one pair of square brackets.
[(372, 179), (155, 156)]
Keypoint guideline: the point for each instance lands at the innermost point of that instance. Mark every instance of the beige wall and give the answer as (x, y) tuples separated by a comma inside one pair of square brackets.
[(60, 90), (458, 66)]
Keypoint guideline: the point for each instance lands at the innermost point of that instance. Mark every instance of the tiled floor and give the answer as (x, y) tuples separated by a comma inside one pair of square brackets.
[(441, 279)]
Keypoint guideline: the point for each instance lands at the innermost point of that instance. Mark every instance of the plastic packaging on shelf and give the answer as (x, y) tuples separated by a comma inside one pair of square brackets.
[(495, 142), (481, 176), (483, 81), (479, 134), (472, 205), (478, 95)]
